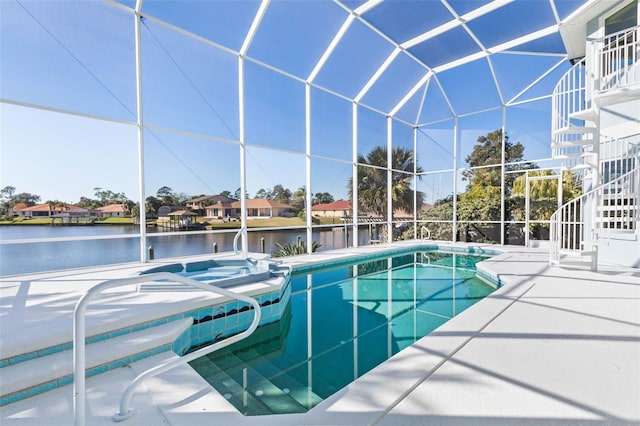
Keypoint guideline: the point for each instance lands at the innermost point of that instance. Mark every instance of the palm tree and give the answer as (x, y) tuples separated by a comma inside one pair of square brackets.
[(53, 205), (372, 182)]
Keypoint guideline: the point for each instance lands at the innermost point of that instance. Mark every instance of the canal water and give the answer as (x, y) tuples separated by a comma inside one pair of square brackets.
[(31, 257)]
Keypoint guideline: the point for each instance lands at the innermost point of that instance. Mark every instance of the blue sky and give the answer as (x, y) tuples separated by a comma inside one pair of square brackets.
[(79, 57)]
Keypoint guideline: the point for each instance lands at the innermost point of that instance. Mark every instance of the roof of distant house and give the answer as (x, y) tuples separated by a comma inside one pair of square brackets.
[(36, 208), (218, 198), (336, 205), (47, 207), (182, 213), (19, 206), (113, 208)]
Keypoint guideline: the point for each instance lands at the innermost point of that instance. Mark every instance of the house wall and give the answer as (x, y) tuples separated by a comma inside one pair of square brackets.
[(621, 249), (330, 213), (619, 121), (615, 121), (111, 214)]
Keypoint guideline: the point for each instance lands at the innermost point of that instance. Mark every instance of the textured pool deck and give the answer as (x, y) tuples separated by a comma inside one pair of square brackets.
[(553, 346)]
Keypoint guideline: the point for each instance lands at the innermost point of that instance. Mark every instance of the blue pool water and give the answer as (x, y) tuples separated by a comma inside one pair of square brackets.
[(340, 323)]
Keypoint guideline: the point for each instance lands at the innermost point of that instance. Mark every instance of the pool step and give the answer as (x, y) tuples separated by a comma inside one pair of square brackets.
[(245, 384), (296, 390), (282, 372), (29, 378), (228, 387)]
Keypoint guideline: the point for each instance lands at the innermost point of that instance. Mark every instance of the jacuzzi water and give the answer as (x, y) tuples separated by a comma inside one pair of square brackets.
[(340, 323), (220, 272)]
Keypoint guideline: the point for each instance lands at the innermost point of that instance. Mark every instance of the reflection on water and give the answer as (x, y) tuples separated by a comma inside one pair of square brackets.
[(47, 256)]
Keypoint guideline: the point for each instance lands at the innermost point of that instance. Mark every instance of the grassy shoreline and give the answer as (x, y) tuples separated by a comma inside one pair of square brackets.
[(57, 222), (254, 223)]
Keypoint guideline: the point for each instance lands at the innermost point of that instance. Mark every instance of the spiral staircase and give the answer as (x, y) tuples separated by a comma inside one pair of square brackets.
[(608, 76)]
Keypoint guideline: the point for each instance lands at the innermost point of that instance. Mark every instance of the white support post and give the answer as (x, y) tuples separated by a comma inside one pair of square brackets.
[(415, 182), (307, 195), (243, 156), (262, 10), (354, 171), (389, 180), (140, 129), (455, 179), (527, 208), (503, 174)]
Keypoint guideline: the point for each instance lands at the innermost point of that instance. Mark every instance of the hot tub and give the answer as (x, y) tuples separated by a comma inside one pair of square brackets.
[(223, 272)]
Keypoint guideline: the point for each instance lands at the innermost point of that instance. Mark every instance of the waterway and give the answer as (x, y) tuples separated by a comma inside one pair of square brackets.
[(28, 257)]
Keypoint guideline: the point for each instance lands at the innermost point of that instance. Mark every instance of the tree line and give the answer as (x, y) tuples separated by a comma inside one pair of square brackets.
[(164, 196), (481, 200)]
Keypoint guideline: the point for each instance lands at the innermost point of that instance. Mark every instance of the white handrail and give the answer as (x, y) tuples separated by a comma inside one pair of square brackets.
[(572, 94), (612, 206), (79, 335), (424, 228), (617, 54), (235, 239)]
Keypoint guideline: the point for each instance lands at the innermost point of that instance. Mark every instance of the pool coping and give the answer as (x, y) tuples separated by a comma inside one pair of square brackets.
[(181, 397), (400, 376)]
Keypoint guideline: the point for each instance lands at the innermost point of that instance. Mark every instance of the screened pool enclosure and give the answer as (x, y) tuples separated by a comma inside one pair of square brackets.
[(339, 123)]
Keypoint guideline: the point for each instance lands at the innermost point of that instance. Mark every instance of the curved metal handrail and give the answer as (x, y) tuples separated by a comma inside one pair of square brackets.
[(235, 239), (79, 335), (424, 228)]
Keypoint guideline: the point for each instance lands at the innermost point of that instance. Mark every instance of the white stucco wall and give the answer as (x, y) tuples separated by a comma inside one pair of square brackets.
[(620, 120)]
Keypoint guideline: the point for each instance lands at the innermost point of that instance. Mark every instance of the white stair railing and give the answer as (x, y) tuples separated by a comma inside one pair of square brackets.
[(618, 53), (612, 62), (236, 238), (571, 96), (579, 225), (79, 335)]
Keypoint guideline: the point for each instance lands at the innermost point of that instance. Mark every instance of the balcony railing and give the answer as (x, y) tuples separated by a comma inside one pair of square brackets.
[(618, 53), (612, 62)]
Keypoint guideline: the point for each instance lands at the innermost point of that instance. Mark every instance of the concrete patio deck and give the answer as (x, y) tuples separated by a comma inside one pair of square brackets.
[(553, 346)]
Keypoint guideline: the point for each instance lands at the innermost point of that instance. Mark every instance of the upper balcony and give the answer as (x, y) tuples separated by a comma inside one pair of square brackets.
[(617, 69), (608, 74)]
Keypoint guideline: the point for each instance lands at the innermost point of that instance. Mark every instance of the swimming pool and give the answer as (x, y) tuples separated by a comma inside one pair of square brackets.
[(340, 323)]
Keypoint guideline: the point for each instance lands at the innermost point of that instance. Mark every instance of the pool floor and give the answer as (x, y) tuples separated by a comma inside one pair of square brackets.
[(339, 324)]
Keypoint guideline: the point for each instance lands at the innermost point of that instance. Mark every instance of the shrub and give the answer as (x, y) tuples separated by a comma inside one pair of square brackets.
[(292, 249)]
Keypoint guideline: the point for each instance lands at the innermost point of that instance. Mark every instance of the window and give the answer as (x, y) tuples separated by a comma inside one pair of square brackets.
[(619, 46), (625, 18)]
